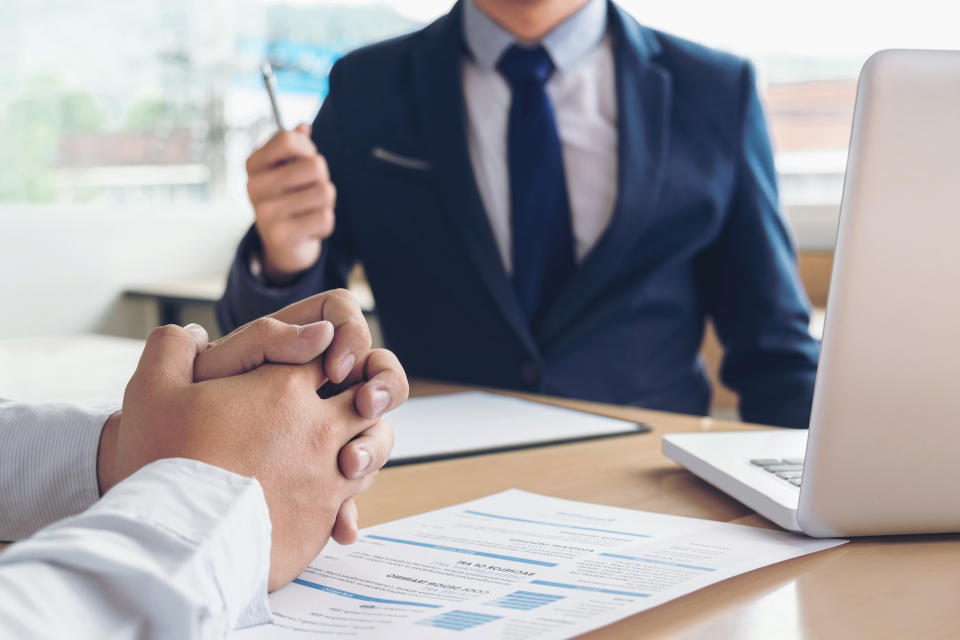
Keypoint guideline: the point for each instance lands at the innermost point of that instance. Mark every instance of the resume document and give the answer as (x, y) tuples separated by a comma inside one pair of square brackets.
[(515, 565)]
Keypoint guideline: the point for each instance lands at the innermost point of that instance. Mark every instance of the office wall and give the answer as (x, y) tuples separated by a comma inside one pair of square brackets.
[(64, 269)]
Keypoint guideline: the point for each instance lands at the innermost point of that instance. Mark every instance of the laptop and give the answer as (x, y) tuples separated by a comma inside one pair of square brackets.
[(882, 454)]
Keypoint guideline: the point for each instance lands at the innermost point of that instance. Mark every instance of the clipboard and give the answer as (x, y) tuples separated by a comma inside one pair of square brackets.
[(477, 422)]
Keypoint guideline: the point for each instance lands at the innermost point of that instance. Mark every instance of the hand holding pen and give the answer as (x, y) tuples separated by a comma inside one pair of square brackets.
[(293, 198)]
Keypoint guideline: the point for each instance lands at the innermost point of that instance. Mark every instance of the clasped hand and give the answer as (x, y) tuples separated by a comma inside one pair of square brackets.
[(293, 399)]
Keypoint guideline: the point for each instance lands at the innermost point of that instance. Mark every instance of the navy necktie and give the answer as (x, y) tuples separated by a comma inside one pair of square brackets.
[(539, 207)]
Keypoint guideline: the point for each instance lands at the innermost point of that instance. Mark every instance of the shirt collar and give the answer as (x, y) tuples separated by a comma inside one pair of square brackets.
[(567, 43)]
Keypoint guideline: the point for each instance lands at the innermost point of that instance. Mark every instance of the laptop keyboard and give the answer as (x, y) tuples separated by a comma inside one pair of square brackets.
[(789, 469)]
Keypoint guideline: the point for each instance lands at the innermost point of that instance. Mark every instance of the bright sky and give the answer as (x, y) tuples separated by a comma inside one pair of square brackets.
[(756, 27)]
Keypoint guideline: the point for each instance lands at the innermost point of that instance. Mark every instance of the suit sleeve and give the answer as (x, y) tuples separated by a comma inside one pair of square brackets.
[(245, 298), (752, 288)]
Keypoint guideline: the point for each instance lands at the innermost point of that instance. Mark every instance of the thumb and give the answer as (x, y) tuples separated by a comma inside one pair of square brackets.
[(261, 341), (169, 354), (303, 129)]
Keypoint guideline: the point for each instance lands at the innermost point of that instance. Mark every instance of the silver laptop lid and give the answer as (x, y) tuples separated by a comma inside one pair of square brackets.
[(883, 454)]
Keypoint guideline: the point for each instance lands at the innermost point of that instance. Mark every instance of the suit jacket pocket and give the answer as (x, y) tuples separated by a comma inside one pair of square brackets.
[(402, 165)]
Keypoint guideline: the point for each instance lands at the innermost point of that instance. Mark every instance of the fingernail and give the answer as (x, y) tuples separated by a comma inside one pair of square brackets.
[(311, 331), (379, 400), (364, 457), (346, 366), (194, 328)]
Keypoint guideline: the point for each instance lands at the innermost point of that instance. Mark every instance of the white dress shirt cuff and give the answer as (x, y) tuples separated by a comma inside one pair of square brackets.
[(194, 536), (221, 515)]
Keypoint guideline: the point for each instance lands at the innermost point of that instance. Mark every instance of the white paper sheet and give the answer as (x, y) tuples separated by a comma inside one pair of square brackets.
[(515, 565), (475, 421)]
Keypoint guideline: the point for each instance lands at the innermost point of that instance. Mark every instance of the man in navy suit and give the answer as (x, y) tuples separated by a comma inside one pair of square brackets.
[(545, 196)]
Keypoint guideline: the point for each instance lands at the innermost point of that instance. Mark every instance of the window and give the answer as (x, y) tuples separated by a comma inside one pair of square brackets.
[(154, 102), (160, 101), (808, 56)]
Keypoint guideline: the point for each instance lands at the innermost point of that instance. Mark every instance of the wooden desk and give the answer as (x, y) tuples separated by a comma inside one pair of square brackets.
[(906, 587)]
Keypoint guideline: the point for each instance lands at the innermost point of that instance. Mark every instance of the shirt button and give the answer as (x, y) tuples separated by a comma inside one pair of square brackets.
[(530, 372)]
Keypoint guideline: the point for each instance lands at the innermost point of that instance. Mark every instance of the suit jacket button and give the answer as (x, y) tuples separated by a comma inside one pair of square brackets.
[(530, 372)]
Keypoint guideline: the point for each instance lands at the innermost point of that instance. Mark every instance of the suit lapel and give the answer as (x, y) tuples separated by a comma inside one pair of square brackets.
[(439, 95), (643, 109)]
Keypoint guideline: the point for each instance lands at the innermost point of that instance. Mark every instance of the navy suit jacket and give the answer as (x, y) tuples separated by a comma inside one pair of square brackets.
[(696, 233)]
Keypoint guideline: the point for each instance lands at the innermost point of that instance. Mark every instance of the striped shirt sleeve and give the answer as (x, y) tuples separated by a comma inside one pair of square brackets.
[(48, 464)]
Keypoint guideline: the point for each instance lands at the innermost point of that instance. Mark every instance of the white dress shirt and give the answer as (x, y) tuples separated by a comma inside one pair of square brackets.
[(180, 549), (584, 97)]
